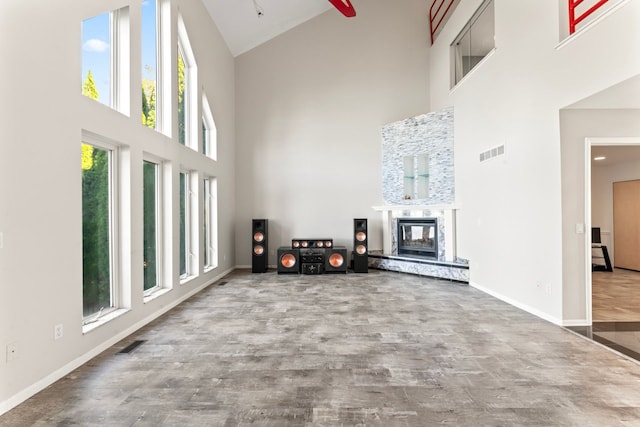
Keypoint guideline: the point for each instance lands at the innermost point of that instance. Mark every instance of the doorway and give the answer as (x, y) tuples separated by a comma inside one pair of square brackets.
[(614, 303)]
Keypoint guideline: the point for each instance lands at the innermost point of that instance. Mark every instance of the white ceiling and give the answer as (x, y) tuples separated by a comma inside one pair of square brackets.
[(243, 29)]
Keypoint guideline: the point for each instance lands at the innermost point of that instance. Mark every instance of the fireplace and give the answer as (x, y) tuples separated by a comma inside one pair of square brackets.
[(418, 237)]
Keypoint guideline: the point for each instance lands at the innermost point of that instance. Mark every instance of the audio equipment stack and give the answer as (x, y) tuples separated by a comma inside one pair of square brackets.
[(312, 256)]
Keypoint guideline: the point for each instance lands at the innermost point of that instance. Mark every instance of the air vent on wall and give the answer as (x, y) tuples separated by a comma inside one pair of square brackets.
[(490, 154)]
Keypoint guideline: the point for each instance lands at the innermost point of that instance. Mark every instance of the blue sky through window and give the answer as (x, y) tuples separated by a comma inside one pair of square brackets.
[(96, 54), (96, 49)]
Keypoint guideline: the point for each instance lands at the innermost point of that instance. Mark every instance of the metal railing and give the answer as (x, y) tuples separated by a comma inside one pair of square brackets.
[(437, 16), (575, 19)]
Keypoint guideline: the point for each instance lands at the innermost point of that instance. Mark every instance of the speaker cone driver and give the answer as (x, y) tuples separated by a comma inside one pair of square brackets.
[(361, 236), (296, 244), (328, 244), (258, 237), (305, 244), (258, 249), (320, 244), (336, 260), (361, 249), (288, 260)]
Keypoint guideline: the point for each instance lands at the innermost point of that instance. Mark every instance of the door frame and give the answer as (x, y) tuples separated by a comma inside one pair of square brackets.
[(591, 142)]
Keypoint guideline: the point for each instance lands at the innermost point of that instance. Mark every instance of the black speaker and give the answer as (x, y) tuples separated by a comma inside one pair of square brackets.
[(311, 243), (335, 260), (360, 243), (288, 260), (259, 247)]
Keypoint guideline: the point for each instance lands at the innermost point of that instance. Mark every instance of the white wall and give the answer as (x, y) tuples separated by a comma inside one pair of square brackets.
[(43, 113), (310, 107), (510, 219)]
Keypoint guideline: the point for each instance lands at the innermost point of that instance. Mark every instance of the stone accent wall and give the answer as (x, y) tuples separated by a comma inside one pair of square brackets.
[(430, 133)]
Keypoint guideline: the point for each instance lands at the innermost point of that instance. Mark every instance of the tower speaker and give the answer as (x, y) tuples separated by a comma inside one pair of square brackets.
[(259, 247), (360, 244), (288, 260), (335, 260)]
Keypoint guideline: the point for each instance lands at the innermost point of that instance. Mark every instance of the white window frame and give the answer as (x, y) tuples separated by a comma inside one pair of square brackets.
[(210, 221), (120, 62), (210, 134), (191, 85), (114, 225), (456, 59), (191, 233), (159, 190)]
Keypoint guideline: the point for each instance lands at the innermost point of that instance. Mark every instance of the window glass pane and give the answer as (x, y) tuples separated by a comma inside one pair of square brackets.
[(96, 241), (182, 95), (149, 62), (482, 36), (96, 58), (205, 137), (207, 222), (150, 224), (183, 224)]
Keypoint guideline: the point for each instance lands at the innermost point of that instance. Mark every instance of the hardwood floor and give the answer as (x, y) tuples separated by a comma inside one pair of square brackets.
[(616, 296)]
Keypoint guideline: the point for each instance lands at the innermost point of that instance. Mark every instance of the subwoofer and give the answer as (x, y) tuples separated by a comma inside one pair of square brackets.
[(360, 246), (259, 247), (335, 260), (288, 260)]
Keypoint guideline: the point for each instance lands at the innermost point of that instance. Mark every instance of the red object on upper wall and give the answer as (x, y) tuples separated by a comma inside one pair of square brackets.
[(575, 18), (437, 16), (345, 7)]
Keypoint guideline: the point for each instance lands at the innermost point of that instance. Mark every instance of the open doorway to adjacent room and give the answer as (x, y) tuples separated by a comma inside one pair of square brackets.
[(614, 244)]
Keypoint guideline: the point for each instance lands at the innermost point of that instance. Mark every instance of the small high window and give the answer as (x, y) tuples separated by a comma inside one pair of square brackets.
[(209, 131), (187, 91), (474, 42), (150, 44), (105, 59)]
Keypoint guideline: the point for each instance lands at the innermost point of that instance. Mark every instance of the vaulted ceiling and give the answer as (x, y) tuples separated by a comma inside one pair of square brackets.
[(245, 24)]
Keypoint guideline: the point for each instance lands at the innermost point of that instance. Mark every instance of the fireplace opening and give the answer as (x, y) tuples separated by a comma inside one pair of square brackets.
[(418, 237)]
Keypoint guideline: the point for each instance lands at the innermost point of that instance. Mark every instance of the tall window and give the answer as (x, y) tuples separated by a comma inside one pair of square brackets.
[(151, 225), (209, 131), (98, 230), (149, 62), (474, 42), (105, 59), (210, 231), (187, 91), (185, 214)]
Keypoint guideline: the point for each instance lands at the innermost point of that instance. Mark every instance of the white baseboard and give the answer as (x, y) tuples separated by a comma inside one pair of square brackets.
[(576, 322), (519, 305), (45, 382)]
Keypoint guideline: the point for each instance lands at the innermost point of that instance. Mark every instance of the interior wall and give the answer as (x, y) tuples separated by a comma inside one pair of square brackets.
[(602, 179), (310, 107), (510, 222), (43, 114)]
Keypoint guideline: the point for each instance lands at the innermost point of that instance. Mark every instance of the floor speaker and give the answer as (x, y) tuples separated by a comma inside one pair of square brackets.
[(335, 260), (360, 246), (259, 247), (288, 260)]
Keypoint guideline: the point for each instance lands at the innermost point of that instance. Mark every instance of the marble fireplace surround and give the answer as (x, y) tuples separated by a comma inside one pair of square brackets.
[(446, 266), (430, 135)]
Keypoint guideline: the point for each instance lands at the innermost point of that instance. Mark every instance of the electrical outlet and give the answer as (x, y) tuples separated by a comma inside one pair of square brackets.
[(58, 332), (12, 351)]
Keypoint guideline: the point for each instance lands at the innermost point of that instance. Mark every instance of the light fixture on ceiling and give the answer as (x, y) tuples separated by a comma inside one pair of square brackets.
[(259, 9), (599, 158)]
